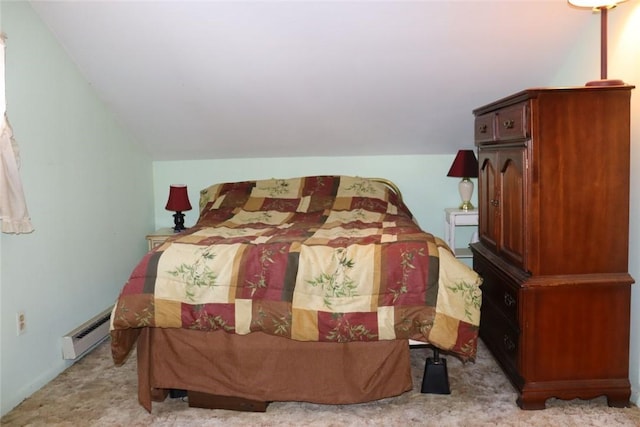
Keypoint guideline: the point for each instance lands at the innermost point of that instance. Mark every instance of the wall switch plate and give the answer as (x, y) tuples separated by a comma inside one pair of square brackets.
[(21, 323)]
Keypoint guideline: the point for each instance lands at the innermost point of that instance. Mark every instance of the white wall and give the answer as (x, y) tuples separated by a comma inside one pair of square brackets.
[(1, 410), (89, 192), (422, 179), (624, 63)]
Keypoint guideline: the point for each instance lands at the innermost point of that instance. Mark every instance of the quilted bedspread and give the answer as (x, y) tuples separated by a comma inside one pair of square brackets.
[(325, 258)]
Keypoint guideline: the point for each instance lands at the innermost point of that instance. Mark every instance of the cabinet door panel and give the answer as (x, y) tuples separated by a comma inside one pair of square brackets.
[(512, 205), (488, 199)]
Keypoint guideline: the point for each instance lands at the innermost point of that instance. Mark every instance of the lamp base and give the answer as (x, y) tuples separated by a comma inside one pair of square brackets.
[(466, 206), (178, 221), (465, 187), (605, 82)]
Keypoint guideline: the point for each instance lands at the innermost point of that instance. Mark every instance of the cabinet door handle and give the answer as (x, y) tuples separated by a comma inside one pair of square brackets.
[(482, 129), (508, 124), (495, 202), (509, 300), (508, 343)]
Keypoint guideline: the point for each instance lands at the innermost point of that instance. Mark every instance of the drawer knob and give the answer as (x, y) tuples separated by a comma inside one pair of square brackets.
[(482, 129), (508, 343), (508, 124), (509, 300), (495, 202)]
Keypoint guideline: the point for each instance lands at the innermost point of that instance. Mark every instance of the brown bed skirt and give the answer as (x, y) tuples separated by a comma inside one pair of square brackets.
[(266, 368)]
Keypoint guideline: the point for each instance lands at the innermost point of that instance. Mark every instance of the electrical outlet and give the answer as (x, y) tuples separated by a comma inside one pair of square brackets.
[(21, 323)]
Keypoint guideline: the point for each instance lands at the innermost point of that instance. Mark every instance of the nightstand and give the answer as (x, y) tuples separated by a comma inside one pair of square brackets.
[(455, 217), (159, 236)]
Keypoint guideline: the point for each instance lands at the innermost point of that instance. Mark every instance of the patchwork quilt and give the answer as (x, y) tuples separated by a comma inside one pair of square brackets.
[(324, 258)]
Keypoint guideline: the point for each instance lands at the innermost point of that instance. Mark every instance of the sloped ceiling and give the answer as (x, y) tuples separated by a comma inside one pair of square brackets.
[(234, 79)]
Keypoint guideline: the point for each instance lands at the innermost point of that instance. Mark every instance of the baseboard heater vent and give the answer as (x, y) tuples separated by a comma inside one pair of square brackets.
[(86, 336)]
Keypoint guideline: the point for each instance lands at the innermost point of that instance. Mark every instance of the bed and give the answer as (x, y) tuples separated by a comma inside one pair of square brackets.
[(299, 289)]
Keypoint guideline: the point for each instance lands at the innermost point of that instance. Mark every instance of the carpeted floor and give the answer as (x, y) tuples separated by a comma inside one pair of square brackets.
[(95, 393)]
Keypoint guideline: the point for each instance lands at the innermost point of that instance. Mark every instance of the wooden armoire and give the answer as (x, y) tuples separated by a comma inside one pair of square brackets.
[(553, 196)]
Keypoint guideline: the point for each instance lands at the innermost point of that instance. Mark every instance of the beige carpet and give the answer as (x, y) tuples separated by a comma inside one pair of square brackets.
[(95, 393)]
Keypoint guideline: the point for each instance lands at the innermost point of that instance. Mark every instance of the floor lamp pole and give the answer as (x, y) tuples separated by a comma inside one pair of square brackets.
[(604, 81)]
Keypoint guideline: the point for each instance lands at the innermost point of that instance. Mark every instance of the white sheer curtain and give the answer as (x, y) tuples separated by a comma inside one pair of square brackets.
[(13, 207)]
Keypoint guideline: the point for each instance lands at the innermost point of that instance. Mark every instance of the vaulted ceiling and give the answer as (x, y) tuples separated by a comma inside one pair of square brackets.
[(233, 79)]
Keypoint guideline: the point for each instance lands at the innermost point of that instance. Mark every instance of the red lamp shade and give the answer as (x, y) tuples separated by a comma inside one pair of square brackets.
[(465, 165), (178, 198)]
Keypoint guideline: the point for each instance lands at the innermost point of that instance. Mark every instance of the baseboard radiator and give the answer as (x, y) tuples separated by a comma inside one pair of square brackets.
[(86, 336)]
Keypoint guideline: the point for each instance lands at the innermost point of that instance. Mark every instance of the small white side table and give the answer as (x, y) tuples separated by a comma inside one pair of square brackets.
[(159, 236), (455, 218)]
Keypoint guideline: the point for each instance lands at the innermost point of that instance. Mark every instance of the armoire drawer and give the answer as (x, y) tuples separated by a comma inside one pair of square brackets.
[(499, 291), (512, 122), (484, 131), (501, 335)]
